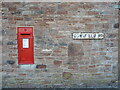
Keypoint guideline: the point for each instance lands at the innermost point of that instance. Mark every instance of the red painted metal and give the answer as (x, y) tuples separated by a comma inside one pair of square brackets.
[(25, 38)]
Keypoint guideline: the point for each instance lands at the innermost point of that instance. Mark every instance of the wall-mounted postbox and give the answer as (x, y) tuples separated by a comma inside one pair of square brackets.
[(25, 38)]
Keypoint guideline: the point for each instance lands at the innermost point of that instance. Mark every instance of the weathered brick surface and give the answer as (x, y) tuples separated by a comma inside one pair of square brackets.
[(61, 61)]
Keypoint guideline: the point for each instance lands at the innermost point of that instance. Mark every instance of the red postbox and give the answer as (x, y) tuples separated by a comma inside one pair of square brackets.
[(25, 38)]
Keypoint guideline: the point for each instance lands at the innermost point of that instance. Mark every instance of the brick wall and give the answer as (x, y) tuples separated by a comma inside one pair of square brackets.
[(61, 61), (0, 48)]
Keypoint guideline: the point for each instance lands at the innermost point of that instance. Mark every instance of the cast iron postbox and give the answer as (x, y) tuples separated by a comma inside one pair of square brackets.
[(25, 38)]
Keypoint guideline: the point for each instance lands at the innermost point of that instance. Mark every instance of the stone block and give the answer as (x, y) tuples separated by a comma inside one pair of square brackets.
[(17, 12), (26, 12), (27, 18), (11, 43), (108, 68), (67, 75), (110, 44), (116, 25), (11, 54), (40, 66), (75, 53), (38, 12), (112, 35), (10, 62), (75, 49), (89, 26), (89, 6)]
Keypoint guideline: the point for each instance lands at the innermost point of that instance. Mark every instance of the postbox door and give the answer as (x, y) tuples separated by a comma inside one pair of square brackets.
[(26, 52)]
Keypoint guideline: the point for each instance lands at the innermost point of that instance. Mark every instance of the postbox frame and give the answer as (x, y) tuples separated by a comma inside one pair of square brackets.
[(18, 45)]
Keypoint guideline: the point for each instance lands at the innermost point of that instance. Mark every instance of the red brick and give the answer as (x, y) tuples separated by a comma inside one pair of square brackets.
[(58, 63), (92, 66), (12, 8), (18, 18), (87, 20), (94, 54), (22, 74), (96, 74), (107, 65), (107, 16), (93, 13), (48, 10), (89, 26), (57, 51), (12, 22), (104, 19), (62, 12), (63, 47)]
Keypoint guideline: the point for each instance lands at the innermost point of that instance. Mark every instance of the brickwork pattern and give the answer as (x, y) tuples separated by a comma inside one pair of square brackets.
[(61, 61)]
